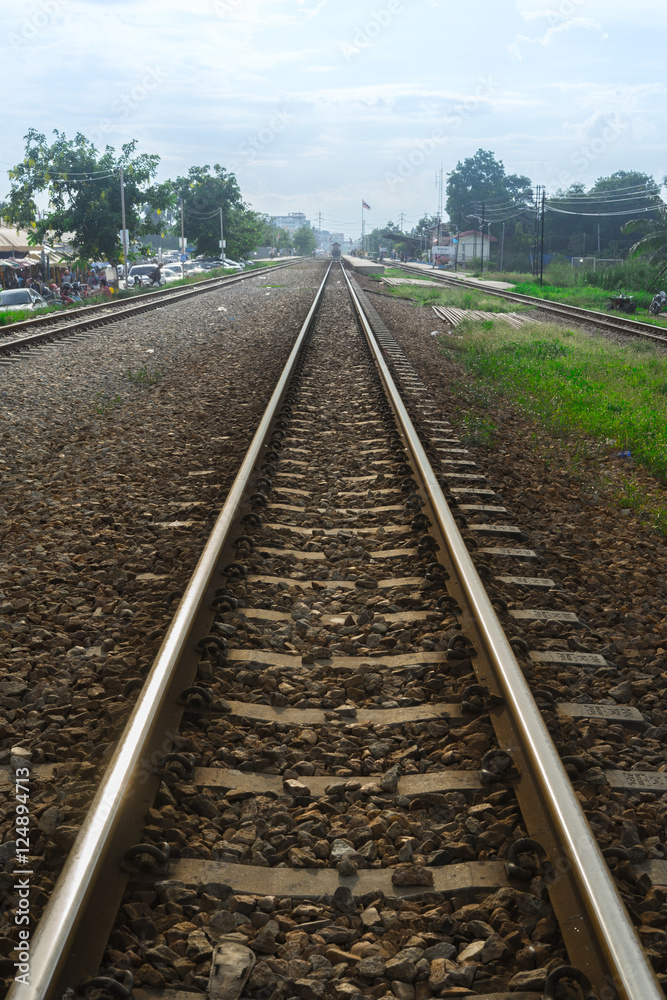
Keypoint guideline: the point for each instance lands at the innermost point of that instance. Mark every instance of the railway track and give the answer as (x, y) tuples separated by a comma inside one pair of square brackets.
[(55, 326), (287, 772), (603, 321)]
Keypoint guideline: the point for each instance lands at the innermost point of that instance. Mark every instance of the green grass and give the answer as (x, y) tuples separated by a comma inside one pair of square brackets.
[(460, 298), (574, 384), (144, 376), (106, 403)]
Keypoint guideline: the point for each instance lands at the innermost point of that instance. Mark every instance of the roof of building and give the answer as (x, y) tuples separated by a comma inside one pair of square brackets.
[(476, 232)]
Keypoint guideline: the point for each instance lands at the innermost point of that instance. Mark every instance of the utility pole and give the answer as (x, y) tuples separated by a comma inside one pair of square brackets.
[(122, 216), (502, 248), (319, 230), (182, 242), (458, 243), (483, 208), (542, 242), (400, 229), (222, 236), (536, 231)]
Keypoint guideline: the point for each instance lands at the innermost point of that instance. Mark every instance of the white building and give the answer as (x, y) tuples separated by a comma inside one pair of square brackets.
[(290, 222), (473, 245)]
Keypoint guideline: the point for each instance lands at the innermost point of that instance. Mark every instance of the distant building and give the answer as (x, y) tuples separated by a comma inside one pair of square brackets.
[(290, 222), (471, 244)]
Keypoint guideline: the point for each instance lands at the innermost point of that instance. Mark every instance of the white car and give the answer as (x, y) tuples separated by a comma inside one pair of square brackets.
[(143, 273), (13, 299), (172, 273), (233, 263)]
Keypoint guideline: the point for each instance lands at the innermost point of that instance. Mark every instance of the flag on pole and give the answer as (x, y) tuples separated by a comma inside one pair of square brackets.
[(364, 205)]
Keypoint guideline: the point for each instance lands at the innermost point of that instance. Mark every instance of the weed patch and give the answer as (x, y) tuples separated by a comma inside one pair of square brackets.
[(144, 376), (573, 384), (106, 403)]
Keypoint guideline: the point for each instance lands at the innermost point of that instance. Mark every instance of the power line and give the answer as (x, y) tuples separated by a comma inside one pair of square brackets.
[(627, 211)]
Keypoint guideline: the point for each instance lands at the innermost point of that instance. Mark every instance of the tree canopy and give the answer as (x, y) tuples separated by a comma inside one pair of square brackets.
[(482, 178), (578, 221), (304, 240), (83, 188), (204, 194)]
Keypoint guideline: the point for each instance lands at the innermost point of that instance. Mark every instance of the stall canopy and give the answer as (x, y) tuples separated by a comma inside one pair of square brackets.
[(14, 241)]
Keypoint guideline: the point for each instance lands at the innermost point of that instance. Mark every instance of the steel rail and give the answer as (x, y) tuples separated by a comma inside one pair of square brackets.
[(64, 911), (629, 969), (114, 310), (626, 326)]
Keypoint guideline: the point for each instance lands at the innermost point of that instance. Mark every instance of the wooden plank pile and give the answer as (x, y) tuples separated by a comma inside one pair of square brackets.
[(453, 316)]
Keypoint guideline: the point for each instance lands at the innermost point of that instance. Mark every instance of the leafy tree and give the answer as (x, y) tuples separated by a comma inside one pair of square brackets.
[(305, 240), (588, 219), (426, 223), (204, 194), (482, 178), (83, 187), (274, 236)]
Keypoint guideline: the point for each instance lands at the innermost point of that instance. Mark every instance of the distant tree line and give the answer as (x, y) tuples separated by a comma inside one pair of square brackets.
[(83, 190)]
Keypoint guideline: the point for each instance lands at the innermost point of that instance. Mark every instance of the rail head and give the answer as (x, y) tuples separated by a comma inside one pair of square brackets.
[(629, 968)]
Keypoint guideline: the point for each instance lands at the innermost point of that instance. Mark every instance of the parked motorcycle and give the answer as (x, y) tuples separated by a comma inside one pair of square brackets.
[(68, 295), (658, 303)]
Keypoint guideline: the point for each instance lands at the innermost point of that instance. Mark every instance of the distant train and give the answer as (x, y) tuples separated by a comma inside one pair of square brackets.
[(335, 251)]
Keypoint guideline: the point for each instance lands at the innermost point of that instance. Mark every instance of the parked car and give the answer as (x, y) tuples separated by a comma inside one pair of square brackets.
[(143, 272), (172, 273), (21, 298), (233, 263)]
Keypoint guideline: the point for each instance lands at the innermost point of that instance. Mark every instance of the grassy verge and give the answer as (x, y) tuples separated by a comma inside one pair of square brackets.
[(575, 385), (460, 298), (589, 297)]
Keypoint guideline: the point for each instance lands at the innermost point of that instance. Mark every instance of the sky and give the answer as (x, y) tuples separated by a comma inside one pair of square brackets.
[(318, 104)]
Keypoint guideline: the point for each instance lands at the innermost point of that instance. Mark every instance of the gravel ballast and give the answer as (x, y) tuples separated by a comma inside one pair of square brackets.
[(110, 486)]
